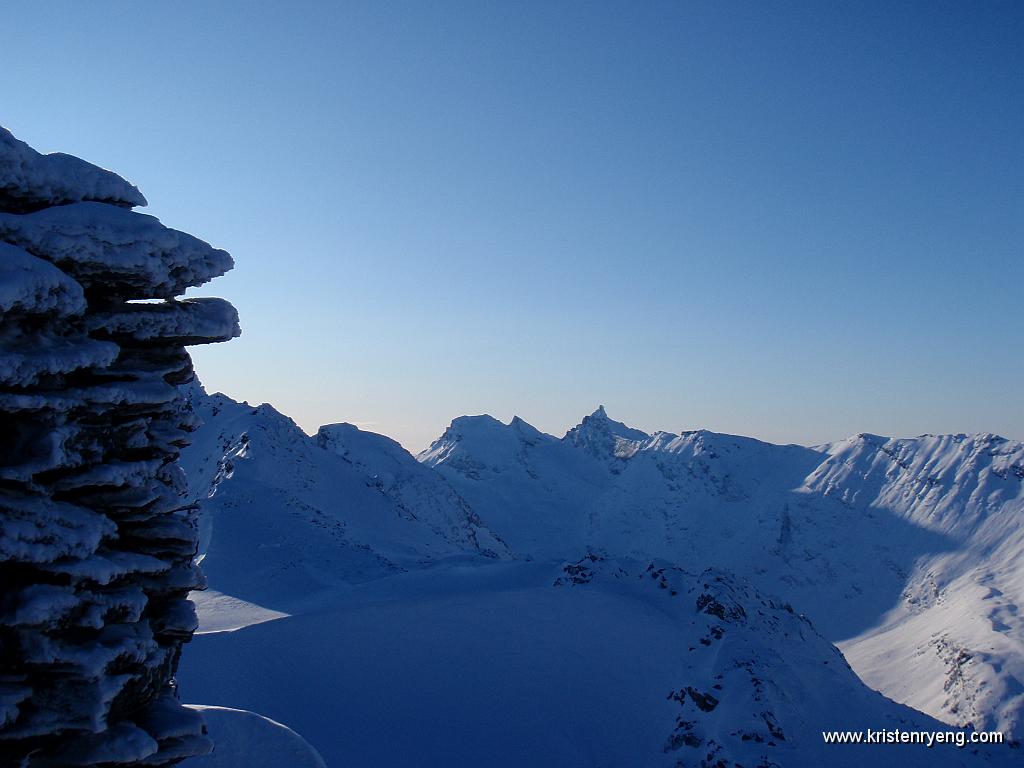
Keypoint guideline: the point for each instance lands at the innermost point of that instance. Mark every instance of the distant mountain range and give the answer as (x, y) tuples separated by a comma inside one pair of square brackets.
[(501, 549)]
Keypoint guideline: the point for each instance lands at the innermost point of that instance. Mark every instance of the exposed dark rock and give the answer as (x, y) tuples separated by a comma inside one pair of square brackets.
[(704, 701)]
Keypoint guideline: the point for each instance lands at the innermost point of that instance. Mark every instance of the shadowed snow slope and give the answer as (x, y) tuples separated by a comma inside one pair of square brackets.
[(597, 662)]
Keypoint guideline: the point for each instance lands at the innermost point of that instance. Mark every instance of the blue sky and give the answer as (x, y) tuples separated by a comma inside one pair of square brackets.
[(796, 221)]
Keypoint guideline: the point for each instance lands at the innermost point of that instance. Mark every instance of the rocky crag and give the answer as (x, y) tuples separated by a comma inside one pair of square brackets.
[(96, 542)]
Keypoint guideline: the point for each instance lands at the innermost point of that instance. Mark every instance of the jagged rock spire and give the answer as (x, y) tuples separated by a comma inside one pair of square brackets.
[(602, 437), (96, 544)]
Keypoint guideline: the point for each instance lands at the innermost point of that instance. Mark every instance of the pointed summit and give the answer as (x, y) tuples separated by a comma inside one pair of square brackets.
[(525, 429), (604, 437)]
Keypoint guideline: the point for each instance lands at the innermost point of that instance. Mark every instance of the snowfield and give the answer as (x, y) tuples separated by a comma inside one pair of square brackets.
[(608, 598)]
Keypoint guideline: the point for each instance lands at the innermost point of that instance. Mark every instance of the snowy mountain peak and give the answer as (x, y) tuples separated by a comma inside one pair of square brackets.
[(347, 440), (469, 423), (526, 429), (603, 437), (475, 443)]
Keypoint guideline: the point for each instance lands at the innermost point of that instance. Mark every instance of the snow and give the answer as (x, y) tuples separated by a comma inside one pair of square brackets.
[(37, 531), (32, 285), (29, 179), (50, 606), (190, 321), (119, 251), (25, 360), (514, 663), (116, 393), (248, 740), (224, 613)]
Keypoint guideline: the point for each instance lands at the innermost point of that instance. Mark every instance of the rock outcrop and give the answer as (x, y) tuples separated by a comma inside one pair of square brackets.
[(96, 542)]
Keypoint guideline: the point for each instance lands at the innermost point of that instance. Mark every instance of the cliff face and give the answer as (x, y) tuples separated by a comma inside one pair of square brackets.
[(96, 542)]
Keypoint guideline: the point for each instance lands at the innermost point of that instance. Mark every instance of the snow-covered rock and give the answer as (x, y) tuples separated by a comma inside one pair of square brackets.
[(31, 285), (116, 252), (30, 181), (96, 536)]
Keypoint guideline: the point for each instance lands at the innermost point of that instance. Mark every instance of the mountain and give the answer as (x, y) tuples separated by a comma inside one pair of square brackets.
[(607, 598), (416, 491), (286, 516), (604, 438), (906, 552), (526, 483)]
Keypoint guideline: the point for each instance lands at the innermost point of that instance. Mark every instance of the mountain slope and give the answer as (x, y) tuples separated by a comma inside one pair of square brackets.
[(956, 636), (416, 491), (285, 516)]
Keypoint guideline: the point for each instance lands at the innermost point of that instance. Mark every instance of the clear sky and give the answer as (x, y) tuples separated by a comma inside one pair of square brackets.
[(796, 221)]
